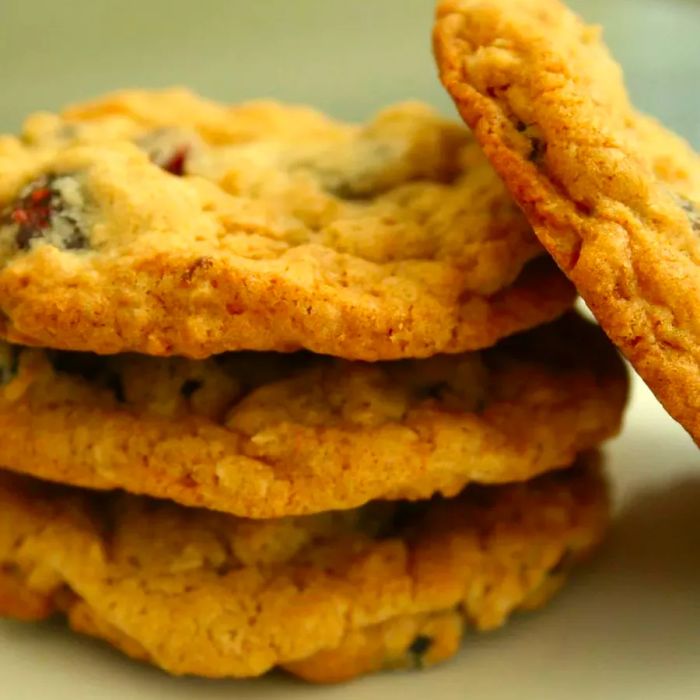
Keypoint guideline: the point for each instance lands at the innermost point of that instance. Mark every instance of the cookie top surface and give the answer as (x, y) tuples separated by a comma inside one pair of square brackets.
[(611, 194), (209, 594), (266, 435), (164, 224)]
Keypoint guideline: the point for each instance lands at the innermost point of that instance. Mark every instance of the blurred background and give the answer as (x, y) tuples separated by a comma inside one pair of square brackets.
[(346, 57)]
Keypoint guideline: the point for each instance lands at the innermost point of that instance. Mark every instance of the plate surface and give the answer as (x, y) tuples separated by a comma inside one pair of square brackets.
[(628, 626)]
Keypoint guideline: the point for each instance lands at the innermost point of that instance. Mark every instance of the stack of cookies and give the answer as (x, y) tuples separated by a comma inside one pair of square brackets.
[(278, 391)]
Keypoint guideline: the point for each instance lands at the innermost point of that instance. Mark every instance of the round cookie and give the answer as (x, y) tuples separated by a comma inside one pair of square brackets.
[(267, 435), (163, 224), (328, 596), (612, 195)]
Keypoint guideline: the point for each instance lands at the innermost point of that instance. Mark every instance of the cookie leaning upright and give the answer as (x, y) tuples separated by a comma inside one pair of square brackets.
[(165, 224), (611, 194)]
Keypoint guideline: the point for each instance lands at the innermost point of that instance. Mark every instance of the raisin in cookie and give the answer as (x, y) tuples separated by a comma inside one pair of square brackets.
[(328, 596), (266, 435), (612, 195), (164, 224)]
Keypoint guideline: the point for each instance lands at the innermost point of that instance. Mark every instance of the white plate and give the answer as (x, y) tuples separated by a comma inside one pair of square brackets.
[(626, 627)]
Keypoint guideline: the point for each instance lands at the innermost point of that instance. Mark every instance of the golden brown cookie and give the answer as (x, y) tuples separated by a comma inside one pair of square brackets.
[(270, 435), (164, 224), (612, 195), (328, 596)]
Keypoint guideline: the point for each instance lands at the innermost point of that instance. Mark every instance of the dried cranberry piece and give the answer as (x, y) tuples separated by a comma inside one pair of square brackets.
[(167, 148), (176, 164), (32, 213), (41, 211)]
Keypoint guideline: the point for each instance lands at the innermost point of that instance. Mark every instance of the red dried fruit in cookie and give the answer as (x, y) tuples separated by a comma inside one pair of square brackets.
[(168, 149), (48, 208), (176, 163)]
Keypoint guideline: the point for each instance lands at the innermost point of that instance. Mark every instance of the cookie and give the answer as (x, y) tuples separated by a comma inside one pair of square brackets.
[(266, 435), (163, 224), (328, 596), (612, 195)]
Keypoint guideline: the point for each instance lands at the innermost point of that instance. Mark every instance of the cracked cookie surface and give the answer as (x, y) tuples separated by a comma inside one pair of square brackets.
[(267, 435), (328, 596), (611, 194), (164, 224)]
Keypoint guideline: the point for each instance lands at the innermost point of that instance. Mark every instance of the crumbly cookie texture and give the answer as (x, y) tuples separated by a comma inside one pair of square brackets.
[(612, 195), (264, 436), (164, 224), (328, 596)]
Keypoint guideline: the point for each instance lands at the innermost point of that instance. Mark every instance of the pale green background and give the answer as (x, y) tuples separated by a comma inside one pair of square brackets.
[(348, 57)]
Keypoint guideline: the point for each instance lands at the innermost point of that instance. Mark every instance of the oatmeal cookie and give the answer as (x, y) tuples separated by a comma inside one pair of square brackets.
[(327, 596), (266, 435), (612, 195), (163, 224)]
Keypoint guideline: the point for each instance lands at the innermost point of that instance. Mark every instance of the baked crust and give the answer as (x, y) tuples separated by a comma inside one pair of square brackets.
[(271, 435), (328, 596), (611, 194), (160, 223)]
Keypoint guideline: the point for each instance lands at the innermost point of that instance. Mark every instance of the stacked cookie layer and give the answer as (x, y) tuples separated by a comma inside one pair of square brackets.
[(330, 382)]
